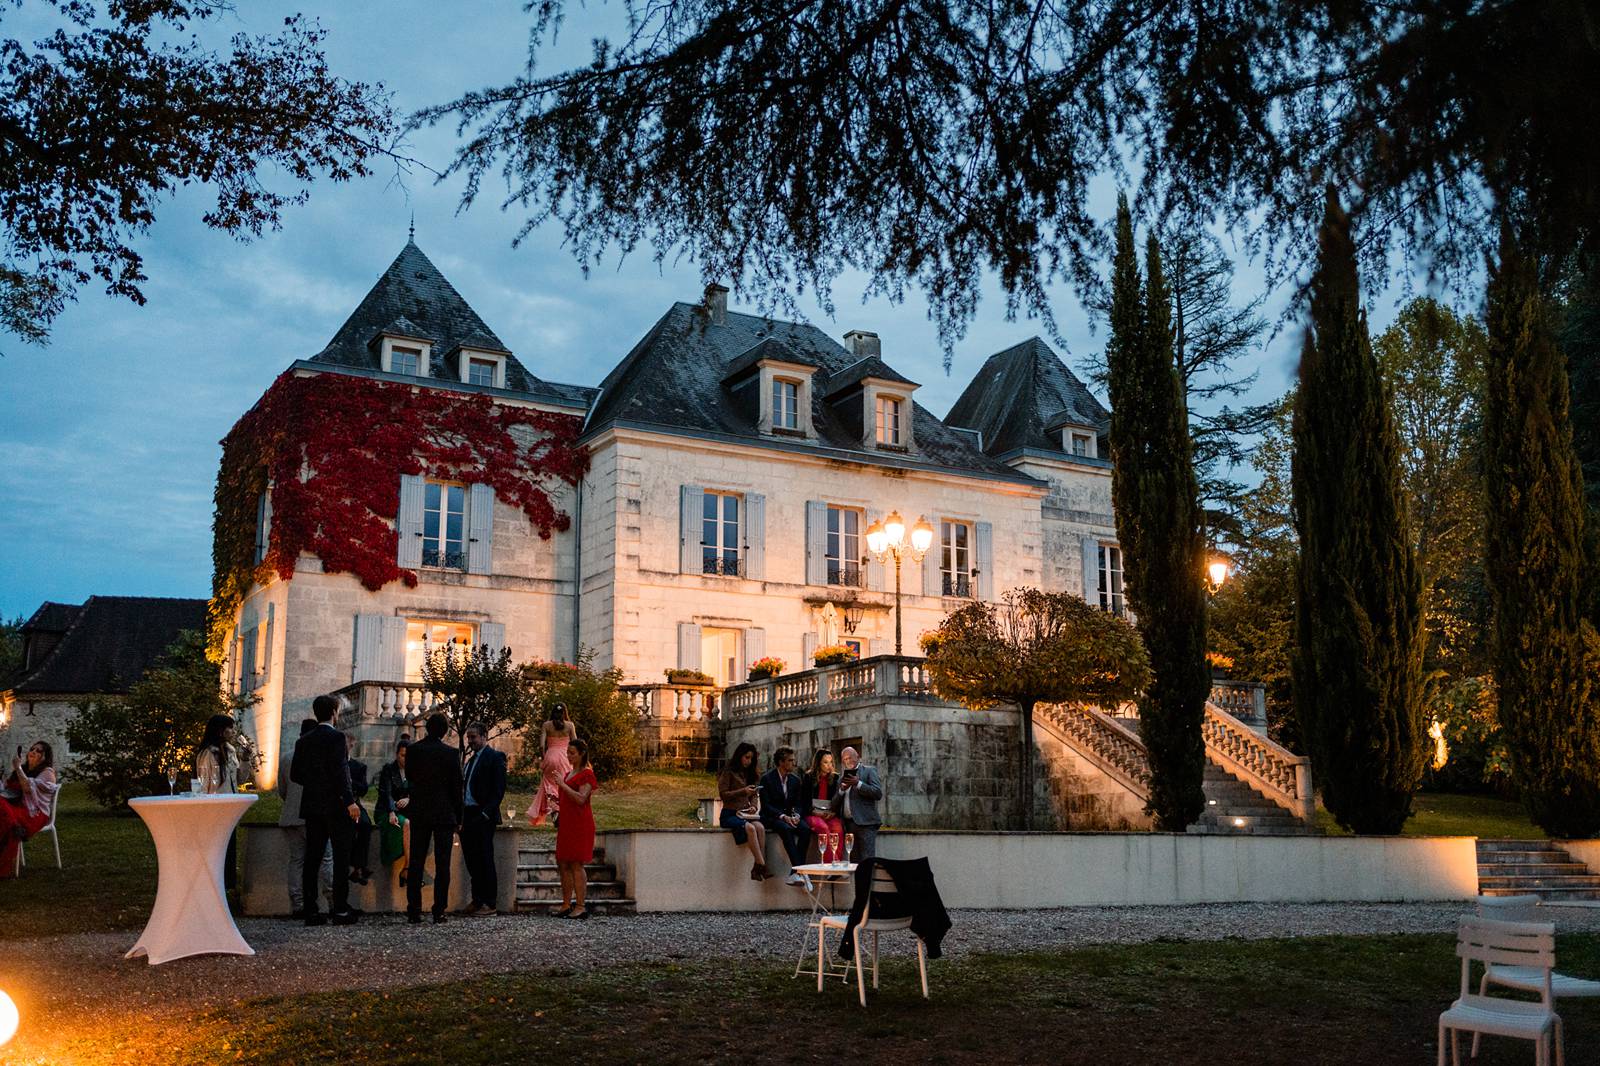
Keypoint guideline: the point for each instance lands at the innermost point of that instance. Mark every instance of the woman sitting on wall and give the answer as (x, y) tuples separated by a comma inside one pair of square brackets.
[(27, 802), (820, 783), (741, 809), (394, 796)]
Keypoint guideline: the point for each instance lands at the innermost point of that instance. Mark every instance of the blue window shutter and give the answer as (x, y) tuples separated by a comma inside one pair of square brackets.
[(266, 643), (984, 535), (1091, 571), (808, 648), (492, 634), (366, 658), (755, 645), (263, 525), (932, 574), (391, 648), (816, 542), (755, 536), (877, 577), (480, 529), (408, 523), (688, 646), (690, 517)]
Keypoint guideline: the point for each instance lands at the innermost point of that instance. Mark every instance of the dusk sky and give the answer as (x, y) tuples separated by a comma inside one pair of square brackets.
[(109, 436)]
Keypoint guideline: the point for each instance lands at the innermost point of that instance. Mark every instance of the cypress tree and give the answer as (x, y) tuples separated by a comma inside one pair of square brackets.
[(1357, 661), (1155, 496), (1546, 653)]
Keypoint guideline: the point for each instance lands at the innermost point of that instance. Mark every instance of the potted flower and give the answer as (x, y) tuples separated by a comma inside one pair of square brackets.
[(687, 677), (766, 667), (1220, 665), (833, 654)]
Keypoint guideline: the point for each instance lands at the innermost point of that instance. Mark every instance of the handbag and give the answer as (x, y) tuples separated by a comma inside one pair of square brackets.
[(752, 812)]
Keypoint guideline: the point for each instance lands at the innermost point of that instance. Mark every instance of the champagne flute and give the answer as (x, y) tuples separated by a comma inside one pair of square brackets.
[(833, 846), (849, 846), (511, 816), (172, 781)]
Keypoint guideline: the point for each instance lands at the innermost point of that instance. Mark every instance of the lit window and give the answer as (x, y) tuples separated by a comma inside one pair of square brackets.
[(844, 546), (405, 360), (1111, 596), (955, 559), (785, 405), (719, 534), (888, 420), (1082, 444), (444, 525), (423, 638), (480, 371)]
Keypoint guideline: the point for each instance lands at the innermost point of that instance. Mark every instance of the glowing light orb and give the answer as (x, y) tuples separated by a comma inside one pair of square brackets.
[(8, 1019)]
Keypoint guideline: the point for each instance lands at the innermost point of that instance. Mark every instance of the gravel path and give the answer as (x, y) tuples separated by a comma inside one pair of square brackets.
[(90, 982)]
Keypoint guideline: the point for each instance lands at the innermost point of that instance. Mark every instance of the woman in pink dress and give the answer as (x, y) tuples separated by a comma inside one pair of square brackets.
[(26, 802), (558, 733), (575, 834)]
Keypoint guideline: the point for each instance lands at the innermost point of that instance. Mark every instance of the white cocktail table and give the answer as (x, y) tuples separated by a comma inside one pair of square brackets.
[(817, 874), (191, 913)]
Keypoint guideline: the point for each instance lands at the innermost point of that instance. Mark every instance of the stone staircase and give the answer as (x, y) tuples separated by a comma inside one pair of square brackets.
[(539, 883), (1234, 807), (1533, 867)]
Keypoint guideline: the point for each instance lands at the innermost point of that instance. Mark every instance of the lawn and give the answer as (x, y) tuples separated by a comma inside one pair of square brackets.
[(1450, 815), (1329, 1000)]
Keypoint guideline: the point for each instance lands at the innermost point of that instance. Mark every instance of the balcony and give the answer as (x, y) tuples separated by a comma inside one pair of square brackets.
[(722, 565), (440, 559), (388, 701), (846, 575), (883, 676), (957, 585)]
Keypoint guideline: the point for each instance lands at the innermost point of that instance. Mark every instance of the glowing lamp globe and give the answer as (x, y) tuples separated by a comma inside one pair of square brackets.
[(877, 540), (1218, 569), (894, 527), (921, 535), (8, 1019)]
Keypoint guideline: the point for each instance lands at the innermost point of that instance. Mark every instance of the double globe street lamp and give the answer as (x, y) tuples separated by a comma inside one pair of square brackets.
[(887, 540)]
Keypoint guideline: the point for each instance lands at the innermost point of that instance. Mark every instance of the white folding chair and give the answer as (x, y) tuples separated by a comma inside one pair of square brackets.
[(1525, 978), (49, 827), (882, 885), (1520, 944)]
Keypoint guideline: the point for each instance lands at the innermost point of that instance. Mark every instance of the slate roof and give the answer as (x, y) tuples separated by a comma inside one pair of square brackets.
[(1019, 394), (52, 617), (413, 298), (110, 643), (673, 380), (772, 349), (870, 367)]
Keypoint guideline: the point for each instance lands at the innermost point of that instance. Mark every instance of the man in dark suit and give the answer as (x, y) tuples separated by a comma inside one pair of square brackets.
[(329, 809), (783, 803), (485, 788), (434, 770)]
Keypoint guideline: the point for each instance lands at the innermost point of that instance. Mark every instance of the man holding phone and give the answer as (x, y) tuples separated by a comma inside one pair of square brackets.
[(856, 802)]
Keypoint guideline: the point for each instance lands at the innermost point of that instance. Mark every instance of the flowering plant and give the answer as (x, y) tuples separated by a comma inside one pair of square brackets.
[(1218, 661), (766, 667), (832, 654), (687, 677)]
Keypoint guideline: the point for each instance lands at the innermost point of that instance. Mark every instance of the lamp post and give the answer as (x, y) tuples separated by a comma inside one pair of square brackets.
[(887, 540)]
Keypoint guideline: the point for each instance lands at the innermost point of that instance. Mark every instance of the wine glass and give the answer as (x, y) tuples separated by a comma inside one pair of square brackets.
[(833, 846), (172, 781), (849, 846), (511, 816)]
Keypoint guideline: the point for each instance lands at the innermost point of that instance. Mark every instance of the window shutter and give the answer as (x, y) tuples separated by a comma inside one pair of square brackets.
[(983, 534), (691, 515), (877, 578), (808, 648), (755, 645), (688, 646), (755, 536), (263, 525), (365, 662), (816, 542), (492, 634), (932, 575), (391, 648), (235, 670), (480, 529), (265, 648), (408, 523), (1091, 571), (880, 647)]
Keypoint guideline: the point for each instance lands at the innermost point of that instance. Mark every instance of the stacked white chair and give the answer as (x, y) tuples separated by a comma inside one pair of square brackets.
[(1524, 945), (1525, 978)]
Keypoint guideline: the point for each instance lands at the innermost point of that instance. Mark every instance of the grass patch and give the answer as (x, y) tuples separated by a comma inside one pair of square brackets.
[(1319, 1000), (1447, 814)]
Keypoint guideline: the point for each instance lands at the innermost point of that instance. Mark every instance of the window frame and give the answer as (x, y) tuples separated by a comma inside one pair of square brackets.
[(885, 404), (786, 401), (954, 581), (439, 543), (1111, 587), (476, 363), (717, 557), (422, 645), (841, 570)]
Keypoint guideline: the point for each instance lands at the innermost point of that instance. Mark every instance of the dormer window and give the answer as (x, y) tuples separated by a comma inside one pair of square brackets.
[(889, 421), (1080, 442), (405, 360), (785, 404), (476, 367), (480, 372)]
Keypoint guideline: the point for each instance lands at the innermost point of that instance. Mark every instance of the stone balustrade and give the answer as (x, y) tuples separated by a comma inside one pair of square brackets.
[(1245, 700), (1098, 737), (399, 702), (674, 703), (1268, 767), (864, 679)]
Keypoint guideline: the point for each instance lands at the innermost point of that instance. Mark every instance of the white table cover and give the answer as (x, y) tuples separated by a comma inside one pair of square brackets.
[(191, 913)]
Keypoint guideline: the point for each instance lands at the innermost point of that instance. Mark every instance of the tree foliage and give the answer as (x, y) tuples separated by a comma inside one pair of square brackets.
[(1154, 496), (1547, 654), (595, 703), (1359, 638), (474, 684), (114, 110), (125, 745), (926, 143), (10, 649)]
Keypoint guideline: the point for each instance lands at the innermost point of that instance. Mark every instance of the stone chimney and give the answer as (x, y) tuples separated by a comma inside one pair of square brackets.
[(717, 304), (863, 344)]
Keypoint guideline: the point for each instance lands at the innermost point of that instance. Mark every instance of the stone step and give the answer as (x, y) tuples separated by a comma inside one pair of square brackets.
[(1553, 895), (1293, 829), (1511, 844), (543, 872), (1544, 855), (532, 856), (598, 906), (1538, 884), (1531, 869), (1242, 810), (596, 890)]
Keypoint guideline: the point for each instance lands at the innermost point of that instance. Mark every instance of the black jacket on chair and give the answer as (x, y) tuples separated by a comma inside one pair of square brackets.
[(915, 896), (318, 767), (434, 770)]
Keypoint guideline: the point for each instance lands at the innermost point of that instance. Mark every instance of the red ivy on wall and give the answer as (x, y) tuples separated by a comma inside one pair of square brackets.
[(333, 448)]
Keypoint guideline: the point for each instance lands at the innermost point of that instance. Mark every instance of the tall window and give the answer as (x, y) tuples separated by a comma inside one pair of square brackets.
[(1111, 597), (955, 560), (785, 404), (444, 525), (480, 372), (423, 638), (888, 420), (405, 360), (719, 534), (844, 546)]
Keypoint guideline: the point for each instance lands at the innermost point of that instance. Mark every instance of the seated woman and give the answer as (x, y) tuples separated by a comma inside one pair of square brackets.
[(820, 783), (741, 814), (394, 796), (26, 802)]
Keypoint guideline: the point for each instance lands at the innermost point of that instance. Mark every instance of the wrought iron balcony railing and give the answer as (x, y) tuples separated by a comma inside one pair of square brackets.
[(849, 575), (444, 560), (958, 585), (723, 565)]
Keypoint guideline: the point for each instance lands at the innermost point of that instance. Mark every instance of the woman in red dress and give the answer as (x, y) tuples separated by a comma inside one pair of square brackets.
[(26, 802), (575, 831)]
